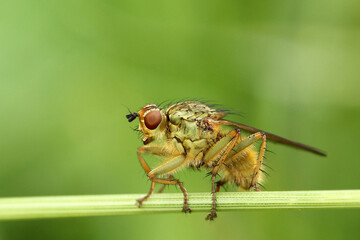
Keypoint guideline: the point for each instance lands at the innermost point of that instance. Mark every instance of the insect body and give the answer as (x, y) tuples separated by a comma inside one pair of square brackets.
[(192, 134)]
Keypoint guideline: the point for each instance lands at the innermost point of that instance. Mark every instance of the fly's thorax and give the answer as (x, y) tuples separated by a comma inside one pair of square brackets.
[(195, 136), (192, 110), (185, 130), (187, 120), (195, 149)]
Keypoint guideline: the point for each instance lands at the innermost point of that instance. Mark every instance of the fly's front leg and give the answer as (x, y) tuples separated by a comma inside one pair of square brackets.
[(140, 201), (186, 207), (166, 167), (216, 156), (155, 150), (147, 170)]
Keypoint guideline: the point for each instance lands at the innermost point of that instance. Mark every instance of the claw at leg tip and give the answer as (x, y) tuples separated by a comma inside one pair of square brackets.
[(186, 209), (139, 203), (211, 216)]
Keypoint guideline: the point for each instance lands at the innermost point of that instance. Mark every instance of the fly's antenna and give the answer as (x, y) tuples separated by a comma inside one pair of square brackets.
[(131, 116)]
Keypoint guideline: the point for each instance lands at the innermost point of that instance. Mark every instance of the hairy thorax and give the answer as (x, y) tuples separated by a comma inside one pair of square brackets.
[(191, 126)]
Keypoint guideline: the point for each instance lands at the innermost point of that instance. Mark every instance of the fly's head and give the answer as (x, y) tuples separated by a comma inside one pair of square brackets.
[(152, 122)]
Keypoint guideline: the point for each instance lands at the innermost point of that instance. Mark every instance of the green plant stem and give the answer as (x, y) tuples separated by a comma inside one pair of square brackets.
[(101, 205)]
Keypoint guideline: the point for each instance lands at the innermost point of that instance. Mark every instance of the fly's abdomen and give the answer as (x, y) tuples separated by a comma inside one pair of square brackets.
[(240, 168)]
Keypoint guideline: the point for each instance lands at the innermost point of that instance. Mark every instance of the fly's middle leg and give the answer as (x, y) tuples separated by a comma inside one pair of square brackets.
[(219, 184), (215, 157), (164, 185)]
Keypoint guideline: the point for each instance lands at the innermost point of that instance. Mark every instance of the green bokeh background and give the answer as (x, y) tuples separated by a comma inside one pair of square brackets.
[(69, 69)]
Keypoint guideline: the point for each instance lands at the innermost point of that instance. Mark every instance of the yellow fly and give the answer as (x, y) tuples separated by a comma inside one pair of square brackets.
[(192, 134)]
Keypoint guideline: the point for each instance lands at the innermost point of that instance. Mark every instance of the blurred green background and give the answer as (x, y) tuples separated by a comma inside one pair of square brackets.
[(69, 69)]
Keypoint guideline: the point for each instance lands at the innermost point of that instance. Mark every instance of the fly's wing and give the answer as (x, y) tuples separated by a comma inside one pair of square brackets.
[(274, 137), (219, 114)]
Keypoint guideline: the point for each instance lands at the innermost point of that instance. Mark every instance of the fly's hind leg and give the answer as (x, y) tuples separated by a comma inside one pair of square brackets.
[(256, 167), (259, 163)]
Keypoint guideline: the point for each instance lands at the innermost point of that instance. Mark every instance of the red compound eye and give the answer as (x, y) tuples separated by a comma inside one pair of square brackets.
[(152, 119)]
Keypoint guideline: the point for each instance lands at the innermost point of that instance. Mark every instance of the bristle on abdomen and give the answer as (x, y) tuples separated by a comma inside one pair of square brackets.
[(239, 169)]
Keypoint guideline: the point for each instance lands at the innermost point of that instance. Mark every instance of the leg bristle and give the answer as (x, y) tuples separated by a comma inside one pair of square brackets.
[(267, 174)]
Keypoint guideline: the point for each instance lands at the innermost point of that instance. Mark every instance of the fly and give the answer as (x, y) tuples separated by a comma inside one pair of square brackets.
[(193, 134)]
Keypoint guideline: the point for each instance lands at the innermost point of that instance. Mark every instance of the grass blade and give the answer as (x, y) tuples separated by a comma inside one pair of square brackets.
[(101, 205)]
